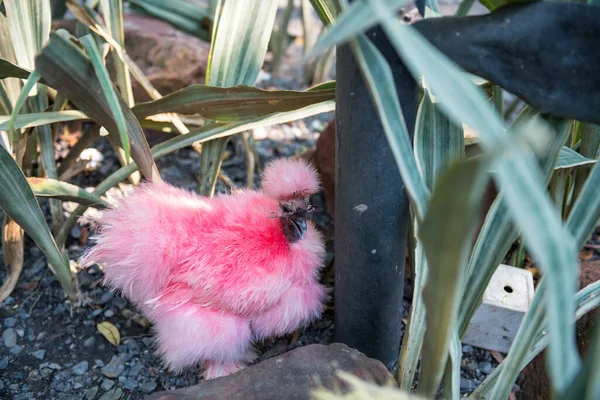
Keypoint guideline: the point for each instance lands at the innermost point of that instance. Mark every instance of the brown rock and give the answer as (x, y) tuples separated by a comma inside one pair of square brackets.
[(293, 376), (324, 159), (535, 384), (169, 58)]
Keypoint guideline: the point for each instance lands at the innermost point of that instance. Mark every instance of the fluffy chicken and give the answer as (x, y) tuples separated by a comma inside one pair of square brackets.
[(215, 275)]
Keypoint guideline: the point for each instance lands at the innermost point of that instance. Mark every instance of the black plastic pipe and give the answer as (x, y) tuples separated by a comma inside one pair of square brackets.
[(371, 211)]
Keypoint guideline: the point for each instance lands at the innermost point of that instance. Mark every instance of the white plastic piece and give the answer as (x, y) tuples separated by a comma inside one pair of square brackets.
[(505, 302)]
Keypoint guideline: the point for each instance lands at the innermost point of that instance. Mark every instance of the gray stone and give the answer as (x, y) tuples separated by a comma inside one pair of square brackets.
[(91, 393), (113, 394), (148, 387), (89, 342), (41, 336), (115, 367), (486, 367), (128, 384), (109, 313), (59, 309), (54, 366), (467, 385), (106, 297), (39, 354), (24, 396), (80, 368), (97, 312), (107, 384), (10, 322), (293, 375), (9, 337), (4, 362), (16, 350), (135, 370), (467, 349)]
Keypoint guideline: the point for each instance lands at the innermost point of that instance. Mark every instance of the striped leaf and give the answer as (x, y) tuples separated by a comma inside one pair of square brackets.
[(55, 189), (447, 232), (18, 202), (240, 39), (517, 173)]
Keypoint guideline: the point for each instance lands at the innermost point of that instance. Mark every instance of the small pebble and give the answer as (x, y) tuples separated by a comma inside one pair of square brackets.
[(91, 393), (106, 297), (10, 322), (16, 350), (115, 367), (89, 342), (148, 387), (9, 337), (80, 368), (467, 385), (113, 394), (107, 384), (54, 366), (486, 367), (4, 362), (39, 354), (59, 309), (41, 336), (467, 349), (109, 313)]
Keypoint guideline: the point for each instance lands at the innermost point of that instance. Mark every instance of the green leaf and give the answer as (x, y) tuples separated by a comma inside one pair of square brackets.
[(494, 4), (569, 158), (355, 19), (498, 232), (55, 189), (590, 143), (232, 104), (18, 202), (25, 92), (188, 17), (438, 141), (66, 68), (10, 70), (517, 173), (326, 10), (447, 232), (113, 17), (29, 22), (240, 40), (108, 90), (43, 118)]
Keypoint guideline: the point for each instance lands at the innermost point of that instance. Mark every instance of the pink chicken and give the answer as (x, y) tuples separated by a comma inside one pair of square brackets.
[(215, 275)]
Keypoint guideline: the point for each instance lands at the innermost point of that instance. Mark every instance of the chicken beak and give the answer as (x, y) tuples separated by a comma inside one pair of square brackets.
[(294, 228)]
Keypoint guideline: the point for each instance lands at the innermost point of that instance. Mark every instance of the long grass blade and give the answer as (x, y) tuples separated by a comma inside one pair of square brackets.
[(232, 103), (239, 44), (108, 90), (18, 202), (446, 233), (55, 189), (43, 118)]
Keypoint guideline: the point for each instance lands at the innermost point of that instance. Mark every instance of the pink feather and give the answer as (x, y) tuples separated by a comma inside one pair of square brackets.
[(213, 275)]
